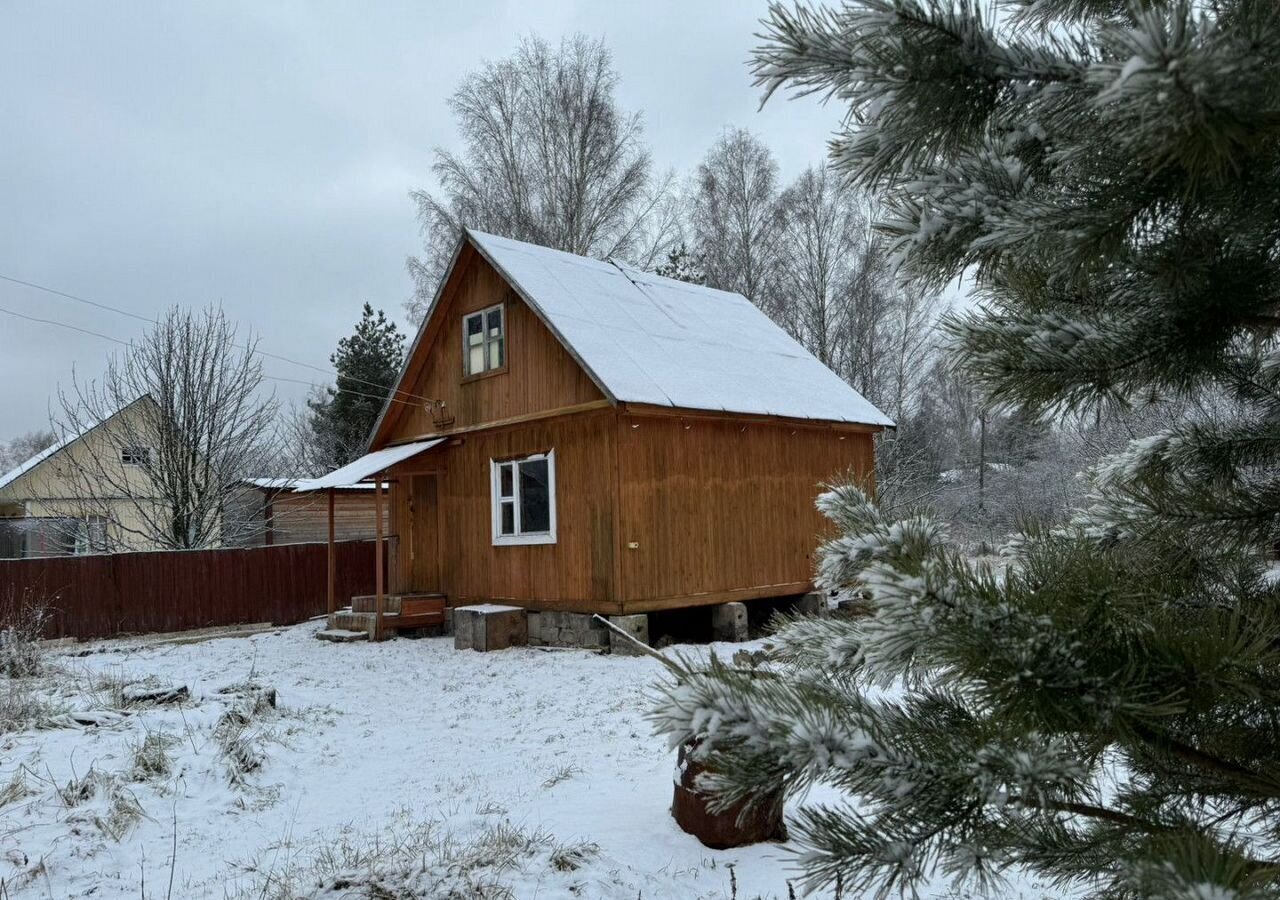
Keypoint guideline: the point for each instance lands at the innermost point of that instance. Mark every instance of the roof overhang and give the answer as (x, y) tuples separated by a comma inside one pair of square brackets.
[(369, 467)]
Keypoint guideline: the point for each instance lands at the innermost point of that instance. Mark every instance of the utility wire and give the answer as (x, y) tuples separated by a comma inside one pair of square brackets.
[(116, 340), (245, 347)]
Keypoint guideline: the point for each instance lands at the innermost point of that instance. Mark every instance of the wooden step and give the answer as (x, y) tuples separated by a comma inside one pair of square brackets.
[(417, 612), (394, 603), (341, 635)]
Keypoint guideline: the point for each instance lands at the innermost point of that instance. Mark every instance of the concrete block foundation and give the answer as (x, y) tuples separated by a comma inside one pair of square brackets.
[(489, 627), (813, 604), (729, 622), (637, 626), (566, 629)]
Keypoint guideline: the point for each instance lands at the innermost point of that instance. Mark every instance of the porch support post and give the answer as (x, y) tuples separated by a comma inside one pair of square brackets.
[(333, 561), (377, 554)]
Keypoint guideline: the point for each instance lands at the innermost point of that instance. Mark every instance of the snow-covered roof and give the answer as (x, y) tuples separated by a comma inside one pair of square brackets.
[(290, 484), (365, 467), (653, 340), (14, 474), (272, 484)]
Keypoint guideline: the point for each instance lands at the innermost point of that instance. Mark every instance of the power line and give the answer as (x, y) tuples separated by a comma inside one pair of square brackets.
[(116, 340), (124, 312)]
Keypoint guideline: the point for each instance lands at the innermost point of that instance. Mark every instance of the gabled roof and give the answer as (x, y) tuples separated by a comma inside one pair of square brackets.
[(646, 339), (654, 340), (13, 475)]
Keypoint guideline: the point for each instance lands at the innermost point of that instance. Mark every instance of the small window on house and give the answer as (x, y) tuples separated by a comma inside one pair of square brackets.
[(484, 341), (524, 500), (135, 456)]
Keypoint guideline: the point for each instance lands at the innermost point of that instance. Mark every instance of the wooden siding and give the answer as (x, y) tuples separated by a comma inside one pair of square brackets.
[(132, 593), (277, 517), (576, 572), (540, 375), (304, 518), (722, 509)]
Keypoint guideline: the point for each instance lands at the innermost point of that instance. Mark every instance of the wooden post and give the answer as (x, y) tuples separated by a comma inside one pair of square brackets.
[(333, 561), (377, 553)]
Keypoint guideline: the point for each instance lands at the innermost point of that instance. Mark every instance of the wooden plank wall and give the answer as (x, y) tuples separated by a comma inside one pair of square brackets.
[(578, 570), (304, 518), (540, 375), (721, 506), (128, 593)]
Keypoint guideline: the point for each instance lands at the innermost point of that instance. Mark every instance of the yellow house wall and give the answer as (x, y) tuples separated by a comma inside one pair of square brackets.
[(52, 489)]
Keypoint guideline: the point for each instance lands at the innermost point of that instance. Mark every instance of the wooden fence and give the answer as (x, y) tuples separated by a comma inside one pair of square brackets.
[(128, 593)]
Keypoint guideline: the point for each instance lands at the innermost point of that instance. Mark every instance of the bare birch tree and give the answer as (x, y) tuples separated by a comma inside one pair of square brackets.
[(829, 259), (193, 423), (737, 220), (549, 158)]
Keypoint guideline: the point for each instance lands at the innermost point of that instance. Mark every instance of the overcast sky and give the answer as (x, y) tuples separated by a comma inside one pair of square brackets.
[(260, 154)]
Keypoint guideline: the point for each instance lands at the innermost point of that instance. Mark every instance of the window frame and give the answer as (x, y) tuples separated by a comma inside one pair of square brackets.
[(485, 342), (497, 500), (134, 452), (90, 538)]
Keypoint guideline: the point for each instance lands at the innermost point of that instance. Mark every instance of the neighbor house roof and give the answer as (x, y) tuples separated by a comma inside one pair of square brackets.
[(13, 475), (653, 340)]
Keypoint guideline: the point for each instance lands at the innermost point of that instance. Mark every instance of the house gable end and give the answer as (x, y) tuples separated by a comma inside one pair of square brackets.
[(435, 396)]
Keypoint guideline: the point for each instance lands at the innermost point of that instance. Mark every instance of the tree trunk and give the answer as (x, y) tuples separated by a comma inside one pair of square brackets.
[(737, 826)]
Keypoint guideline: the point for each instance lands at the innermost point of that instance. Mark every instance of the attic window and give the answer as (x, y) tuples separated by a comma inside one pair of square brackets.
[(135, 456), (484, 341), (524, 499)]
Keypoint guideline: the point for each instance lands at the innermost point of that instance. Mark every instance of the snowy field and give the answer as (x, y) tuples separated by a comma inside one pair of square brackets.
[(396, 770)]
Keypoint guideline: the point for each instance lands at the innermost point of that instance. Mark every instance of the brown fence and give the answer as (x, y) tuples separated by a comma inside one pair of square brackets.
[(127, 593)]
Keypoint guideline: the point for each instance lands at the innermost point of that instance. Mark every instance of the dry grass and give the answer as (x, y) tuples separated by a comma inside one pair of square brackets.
[(152, 756), (117, 811), (241, 736), (23, 618), (410, 859)]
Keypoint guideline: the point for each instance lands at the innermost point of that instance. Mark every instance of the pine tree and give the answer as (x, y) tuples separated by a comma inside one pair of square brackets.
[(682, 265), (368, 364), (1103, 709)]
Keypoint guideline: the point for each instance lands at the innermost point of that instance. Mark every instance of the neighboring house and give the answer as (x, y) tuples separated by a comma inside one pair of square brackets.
[(270, 511), (46, 509), (571, 434)]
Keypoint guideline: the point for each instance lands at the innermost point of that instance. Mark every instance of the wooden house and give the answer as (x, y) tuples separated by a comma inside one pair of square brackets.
[(577, 435)]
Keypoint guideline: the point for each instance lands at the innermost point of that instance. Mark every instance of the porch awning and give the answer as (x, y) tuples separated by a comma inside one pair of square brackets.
[(366, 466)]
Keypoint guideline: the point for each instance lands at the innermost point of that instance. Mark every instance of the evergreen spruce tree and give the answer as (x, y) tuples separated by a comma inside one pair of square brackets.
[(1103, 709), (682, 265), (367, 364)]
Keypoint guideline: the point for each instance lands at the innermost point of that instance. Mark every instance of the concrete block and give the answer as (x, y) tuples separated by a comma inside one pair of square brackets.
[(534, 620), (566, 629), (489, 626), (448, 621), (729, 622), (637, 626), (813, 604)]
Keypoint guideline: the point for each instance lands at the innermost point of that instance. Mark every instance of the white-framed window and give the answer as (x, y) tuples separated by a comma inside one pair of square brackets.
[(524, 499), (484, 340), (135, 455), (90, 536)]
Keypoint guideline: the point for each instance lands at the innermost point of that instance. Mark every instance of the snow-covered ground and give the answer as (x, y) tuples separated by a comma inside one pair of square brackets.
[(523, 773)]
